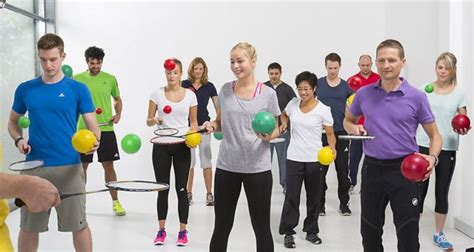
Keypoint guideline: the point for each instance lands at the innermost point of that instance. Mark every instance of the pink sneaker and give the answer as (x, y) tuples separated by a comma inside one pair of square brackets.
[(182, 238), (160, 237)]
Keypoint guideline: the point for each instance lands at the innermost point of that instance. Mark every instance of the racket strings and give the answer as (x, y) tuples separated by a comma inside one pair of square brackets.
[(136, 186), (26, 165)]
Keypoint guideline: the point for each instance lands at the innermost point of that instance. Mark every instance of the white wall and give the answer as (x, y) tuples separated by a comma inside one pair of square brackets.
[(461, 43), (138, 36)]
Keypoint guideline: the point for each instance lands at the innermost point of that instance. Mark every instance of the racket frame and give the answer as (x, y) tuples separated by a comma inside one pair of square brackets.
[(354, 137), (25, 161)]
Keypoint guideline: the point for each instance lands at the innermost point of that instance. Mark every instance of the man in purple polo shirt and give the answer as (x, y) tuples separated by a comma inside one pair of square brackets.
[(392, 109)]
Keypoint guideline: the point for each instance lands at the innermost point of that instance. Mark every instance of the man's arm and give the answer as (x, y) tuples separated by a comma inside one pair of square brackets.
[(351, 126), (91, 124), (436, 143), (37, 193), (17, 133), (118, 109)]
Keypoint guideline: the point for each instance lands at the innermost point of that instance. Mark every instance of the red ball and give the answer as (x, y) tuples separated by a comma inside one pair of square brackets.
[(414, 167), (169, 64), (98, 111), (355, 83), (167, 109), (460, 122)]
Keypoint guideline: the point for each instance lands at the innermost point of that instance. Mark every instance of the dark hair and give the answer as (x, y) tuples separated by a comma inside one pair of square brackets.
[(392, 43), (274, 65), (332, 57), (94, 52), (50, 41), (309, 77)]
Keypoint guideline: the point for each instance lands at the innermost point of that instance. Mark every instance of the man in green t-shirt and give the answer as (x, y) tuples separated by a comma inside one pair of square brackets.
[(102, 86)]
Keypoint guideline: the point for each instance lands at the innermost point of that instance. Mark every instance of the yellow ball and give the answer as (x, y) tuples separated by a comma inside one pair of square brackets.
[(83, 141), (325, 156), (350, 99), (192, 140)]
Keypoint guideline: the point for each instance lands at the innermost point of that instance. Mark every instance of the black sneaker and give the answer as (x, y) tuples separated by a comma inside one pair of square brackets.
[(344, 210), (289, 241), (313, 238), (322, 212)]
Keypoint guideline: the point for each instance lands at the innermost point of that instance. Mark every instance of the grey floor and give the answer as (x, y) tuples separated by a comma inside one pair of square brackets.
[(136, 230)]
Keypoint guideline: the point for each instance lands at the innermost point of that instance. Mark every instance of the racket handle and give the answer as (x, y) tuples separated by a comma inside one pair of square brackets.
[(202, 130), (19, 202)]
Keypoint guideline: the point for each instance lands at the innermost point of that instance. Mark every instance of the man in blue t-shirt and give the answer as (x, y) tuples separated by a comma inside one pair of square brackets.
[(333, 92), (54, 103)]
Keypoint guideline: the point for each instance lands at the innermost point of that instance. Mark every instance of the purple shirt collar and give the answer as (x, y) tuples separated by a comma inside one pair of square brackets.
[(403, 87)]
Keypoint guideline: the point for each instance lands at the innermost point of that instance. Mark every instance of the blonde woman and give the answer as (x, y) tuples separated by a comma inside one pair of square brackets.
[(244, 157), (446, 100)]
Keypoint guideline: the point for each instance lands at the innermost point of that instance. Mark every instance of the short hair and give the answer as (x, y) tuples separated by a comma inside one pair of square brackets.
[(194, 62), (50, 41), (391, 43), (332, 57), (94, 52), (450, 61), (307, 76), (248, 48), (274, 65), (365, 56)]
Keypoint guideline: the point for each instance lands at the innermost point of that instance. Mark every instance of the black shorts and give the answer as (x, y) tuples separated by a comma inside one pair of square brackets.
[(108, 149)]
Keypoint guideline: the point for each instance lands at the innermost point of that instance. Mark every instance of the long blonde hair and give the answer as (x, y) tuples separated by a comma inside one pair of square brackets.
[(450, 61)]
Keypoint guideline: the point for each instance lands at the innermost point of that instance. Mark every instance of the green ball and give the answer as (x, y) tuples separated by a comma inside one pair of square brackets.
[(23, 122), (218, 135), (263, 122), (131, 143), (67, 70), (429, 88)]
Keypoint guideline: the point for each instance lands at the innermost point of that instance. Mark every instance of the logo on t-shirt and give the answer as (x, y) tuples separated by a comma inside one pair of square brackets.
[(61, 95)]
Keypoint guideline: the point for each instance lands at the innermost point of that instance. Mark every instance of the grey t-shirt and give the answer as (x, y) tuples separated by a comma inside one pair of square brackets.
[(241, 150)]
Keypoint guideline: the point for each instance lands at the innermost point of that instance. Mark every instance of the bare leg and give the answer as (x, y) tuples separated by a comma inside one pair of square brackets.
[(182, 226), (207, 172), (110, 175), (27, 241), (162, 224), (82, 240), (85, 166), (440, 220)]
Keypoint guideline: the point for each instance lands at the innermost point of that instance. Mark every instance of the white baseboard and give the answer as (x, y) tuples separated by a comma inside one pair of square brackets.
[(464, 227)]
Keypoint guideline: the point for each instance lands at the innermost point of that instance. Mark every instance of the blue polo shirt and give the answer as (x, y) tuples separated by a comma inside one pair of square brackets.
[(335, 98), (203, 95), (392, 118), (53, 110)]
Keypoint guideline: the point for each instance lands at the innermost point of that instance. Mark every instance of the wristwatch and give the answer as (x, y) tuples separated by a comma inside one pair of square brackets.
[(436, 159)]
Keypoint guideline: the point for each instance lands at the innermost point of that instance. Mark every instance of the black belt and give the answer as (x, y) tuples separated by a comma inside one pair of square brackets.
[(384, 161)]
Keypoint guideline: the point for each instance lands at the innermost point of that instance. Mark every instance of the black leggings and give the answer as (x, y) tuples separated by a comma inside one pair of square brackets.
[(258, 189), (444, 173), (180, 155)]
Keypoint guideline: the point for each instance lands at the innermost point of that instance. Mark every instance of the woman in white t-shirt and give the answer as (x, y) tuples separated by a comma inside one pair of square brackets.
[(308, 117), (446, 101), (171, 107)]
